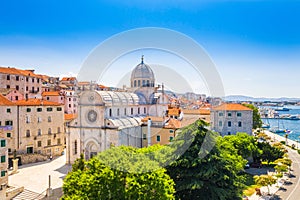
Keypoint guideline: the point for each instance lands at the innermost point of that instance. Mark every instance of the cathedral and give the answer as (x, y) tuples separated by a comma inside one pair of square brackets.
[(113, 118)]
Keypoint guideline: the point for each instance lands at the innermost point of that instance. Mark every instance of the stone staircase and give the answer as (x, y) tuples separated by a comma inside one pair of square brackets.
[(29, 195)]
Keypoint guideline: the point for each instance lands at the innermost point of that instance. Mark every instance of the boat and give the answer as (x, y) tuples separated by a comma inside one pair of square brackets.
[(282, 109), (277, 130), (293, 117)]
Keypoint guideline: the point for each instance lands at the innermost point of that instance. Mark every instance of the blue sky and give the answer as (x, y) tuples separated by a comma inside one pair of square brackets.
[(254, 44)]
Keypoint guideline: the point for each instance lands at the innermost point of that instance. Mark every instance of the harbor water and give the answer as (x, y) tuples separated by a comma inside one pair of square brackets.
[(292, 125)]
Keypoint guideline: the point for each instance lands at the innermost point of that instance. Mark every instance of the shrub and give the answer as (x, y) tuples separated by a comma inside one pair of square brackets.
[(282, 142)]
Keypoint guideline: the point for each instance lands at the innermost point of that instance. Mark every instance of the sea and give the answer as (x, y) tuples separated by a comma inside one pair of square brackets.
[(292, 125)]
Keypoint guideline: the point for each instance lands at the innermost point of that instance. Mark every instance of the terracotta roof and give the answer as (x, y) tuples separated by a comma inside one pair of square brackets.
[(173, 123), (68, 79), (51, 93), (12, 70), (231, 106), (5, 102), (36, 102), (153, 118), (70, 116), (196, 111)]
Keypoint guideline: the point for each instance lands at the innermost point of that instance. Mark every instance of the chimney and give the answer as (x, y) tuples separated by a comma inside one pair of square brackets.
[(149, 131)]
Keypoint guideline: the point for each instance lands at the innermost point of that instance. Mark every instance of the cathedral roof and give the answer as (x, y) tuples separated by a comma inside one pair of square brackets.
[(142, 70)]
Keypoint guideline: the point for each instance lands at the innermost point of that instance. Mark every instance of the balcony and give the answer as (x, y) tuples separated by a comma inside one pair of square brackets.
[(6, 128)]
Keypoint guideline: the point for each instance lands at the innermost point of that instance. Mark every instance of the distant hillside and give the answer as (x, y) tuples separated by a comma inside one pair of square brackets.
[(260, 99)]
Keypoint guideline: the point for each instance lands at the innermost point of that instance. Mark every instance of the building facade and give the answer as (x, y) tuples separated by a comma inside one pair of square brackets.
[(3, 164), (112, 118), (229, 118)]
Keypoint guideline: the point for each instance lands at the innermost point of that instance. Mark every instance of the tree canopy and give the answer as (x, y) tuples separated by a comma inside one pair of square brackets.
[(125, 174), (216, 176)]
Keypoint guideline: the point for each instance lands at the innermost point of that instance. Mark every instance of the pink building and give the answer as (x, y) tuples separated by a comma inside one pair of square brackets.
[(54, 96)]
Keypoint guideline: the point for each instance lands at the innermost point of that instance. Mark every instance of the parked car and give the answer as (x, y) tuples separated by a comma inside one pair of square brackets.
[(256, 165)]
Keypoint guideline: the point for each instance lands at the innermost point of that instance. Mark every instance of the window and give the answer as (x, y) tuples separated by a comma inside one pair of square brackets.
[(17, 87), (27, 119), (33, 80), (17, 78), (8, 77), (8, 135), (110, 112), (38, 89), (171, 131), (139, 83), (69, 99), (58, 141), (148, 83), (131, 111), (229, 124), (8, 123), (9, 150), (49, 131), (3, 143), (39, 143), (125, 111), (229, 114), (59, 109), (39, 132), (49, 109), (145, 110), (26, 88), (138, 110), (8, 86), (144, 83), (49, 119), (8, 110), (39, 119), (27, 133), (48, 142), (38, 80), (229, 133), (69, 105), (39, 109), (75, 147), (144, 137), (3, 172), (118, 111), (32, 89), (171, 138), (238, 114), (61, 98), (240, 124), (58, 129), (158, 138), (134, 83), (17, 98), (28, 110), (220, 114), (48, 98), (220, 123), (27, 79), (3, 159)]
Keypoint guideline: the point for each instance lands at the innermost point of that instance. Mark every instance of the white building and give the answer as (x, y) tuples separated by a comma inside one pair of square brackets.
[(108, 118), (230, 118)]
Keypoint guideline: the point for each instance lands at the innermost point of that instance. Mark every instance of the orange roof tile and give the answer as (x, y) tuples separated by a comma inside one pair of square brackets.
[(12, 70), (231, 106), (70, 116), (51, 93), (5, 102), (36, 102), (153, 118), (173, 123), (68, 79)]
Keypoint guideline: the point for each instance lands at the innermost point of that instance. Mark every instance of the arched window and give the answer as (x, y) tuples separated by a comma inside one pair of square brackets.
[(49, 131), (144, 83), (148, 83), (125, 111), (145, 110), (139, 83), (138, 110), (110, 112), (118, 111), (39, 132), (49, 119), (134, 83), (131, 111)]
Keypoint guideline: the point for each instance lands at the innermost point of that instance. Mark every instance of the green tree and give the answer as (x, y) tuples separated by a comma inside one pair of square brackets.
[(216, 176), (120, 173), (257, 123), (78, 164), (265, 180), (245, 144), (269, 153)]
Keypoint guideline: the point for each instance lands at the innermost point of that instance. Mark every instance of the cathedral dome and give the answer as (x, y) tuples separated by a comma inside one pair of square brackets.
[(142, 75)]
